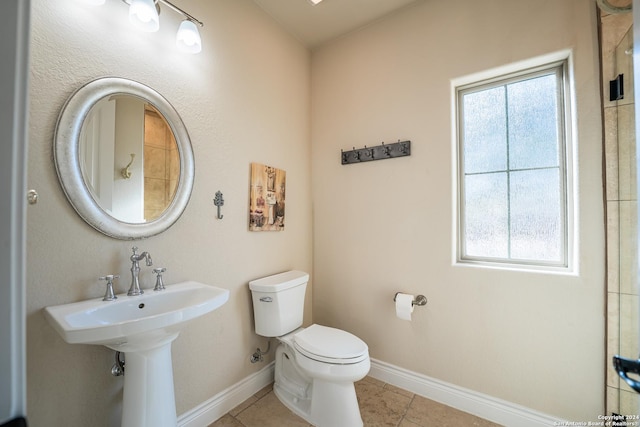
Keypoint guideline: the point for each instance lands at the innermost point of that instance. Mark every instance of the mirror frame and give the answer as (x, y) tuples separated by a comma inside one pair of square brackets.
[(67, 159)]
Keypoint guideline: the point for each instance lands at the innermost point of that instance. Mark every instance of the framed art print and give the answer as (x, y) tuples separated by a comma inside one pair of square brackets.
[(267, 198)]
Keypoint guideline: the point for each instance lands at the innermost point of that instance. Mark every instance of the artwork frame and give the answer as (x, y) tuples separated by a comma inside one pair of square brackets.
[(267, 198)]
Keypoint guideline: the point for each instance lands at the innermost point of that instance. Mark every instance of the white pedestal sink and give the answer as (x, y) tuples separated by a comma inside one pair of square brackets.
[(143, 328)]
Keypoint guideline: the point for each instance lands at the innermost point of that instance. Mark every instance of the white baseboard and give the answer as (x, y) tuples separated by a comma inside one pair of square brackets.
[(214, 408), (478, 404), (482, 405)]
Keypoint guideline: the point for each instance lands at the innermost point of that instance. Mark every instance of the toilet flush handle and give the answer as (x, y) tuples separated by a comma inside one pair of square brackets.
[(266, 299)]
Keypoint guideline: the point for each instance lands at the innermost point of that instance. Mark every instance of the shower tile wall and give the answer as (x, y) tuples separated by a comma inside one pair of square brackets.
[(621, 194), (161, 164)]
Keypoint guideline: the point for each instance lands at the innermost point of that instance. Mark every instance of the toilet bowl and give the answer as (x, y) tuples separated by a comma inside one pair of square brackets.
[(316, 366), (315, 371)]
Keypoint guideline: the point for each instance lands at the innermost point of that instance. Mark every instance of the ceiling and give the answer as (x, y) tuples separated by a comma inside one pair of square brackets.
[(314, 25)]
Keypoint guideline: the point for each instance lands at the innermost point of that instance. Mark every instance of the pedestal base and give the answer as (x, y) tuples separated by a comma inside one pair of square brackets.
[(148, 396)]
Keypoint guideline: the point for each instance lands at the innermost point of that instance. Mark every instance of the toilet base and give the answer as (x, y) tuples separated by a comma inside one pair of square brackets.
[(319, 402)]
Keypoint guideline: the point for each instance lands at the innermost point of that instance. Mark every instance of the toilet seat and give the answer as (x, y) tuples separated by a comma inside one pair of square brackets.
[(330, 345)]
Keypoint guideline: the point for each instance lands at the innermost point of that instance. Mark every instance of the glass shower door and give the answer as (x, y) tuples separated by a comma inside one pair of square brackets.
[(628, 363)]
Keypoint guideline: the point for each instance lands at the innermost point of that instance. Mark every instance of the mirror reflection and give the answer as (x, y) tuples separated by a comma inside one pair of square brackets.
[(124, 158), (129, 158)]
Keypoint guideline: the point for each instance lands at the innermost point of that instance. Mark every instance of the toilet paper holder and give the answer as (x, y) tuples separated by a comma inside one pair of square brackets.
[(420, 299)]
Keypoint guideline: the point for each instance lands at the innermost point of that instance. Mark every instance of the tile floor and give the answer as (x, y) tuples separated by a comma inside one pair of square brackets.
[(380, 405)]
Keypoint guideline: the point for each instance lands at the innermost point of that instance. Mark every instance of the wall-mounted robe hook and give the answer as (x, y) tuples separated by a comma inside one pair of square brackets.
[(126, 171), (218, 201)]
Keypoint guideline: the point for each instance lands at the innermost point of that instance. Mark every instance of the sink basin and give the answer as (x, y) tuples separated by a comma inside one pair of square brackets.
[(143, 327), (115, 323)]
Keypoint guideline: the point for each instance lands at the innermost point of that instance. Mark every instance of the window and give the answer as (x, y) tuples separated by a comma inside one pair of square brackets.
[(512, 168)]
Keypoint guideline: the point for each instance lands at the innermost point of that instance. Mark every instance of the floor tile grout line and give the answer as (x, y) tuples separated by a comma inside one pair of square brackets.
[(406, 409), (258, 399), (412, 400)]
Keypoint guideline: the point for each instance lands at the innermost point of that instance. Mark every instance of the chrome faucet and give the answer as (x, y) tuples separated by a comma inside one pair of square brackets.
[(135, 270)]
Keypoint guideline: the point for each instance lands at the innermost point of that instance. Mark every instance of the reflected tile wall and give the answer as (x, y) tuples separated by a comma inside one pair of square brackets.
[(621, 194), (628, 237), (161, 164)]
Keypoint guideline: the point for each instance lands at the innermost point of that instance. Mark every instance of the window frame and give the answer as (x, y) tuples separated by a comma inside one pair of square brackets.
[(559, 65)]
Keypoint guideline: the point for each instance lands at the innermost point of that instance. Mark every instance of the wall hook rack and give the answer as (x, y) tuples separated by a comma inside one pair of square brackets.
[(218, 201), (378, 152)]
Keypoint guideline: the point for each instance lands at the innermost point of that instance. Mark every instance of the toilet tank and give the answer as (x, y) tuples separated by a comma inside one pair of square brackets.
[(278, 302)]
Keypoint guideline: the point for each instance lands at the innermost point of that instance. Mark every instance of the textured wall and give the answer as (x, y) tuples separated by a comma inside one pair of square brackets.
[(534, 339), (244, 99)]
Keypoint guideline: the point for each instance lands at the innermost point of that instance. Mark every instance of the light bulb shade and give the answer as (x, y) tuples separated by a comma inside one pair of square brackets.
[(144, 15), (188, 38)]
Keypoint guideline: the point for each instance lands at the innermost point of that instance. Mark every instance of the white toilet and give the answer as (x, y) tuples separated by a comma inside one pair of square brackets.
[(315, 366)]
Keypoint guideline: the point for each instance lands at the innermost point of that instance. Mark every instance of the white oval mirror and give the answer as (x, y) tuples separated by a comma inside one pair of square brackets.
[(124, 158)]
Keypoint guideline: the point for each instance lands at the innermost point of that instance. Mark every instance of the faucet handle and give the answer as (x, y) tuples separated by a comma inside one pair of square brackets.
[(159, 282), (109, 295)]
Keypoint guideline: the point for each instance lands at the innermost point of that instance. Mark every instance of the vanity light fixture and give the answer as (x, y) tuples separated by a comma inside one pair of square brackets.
[(315, 1), (145, 14), (188, 37)]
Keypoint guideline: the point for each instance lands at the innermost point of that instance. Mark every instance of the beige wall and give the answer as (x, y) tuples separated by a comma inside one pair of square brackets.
[(534, 339), (244, 99)]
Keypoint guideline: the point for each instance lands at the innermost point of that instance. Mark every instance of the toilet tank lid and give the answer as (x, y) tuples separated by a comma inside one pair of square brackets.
[(279, 282)]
